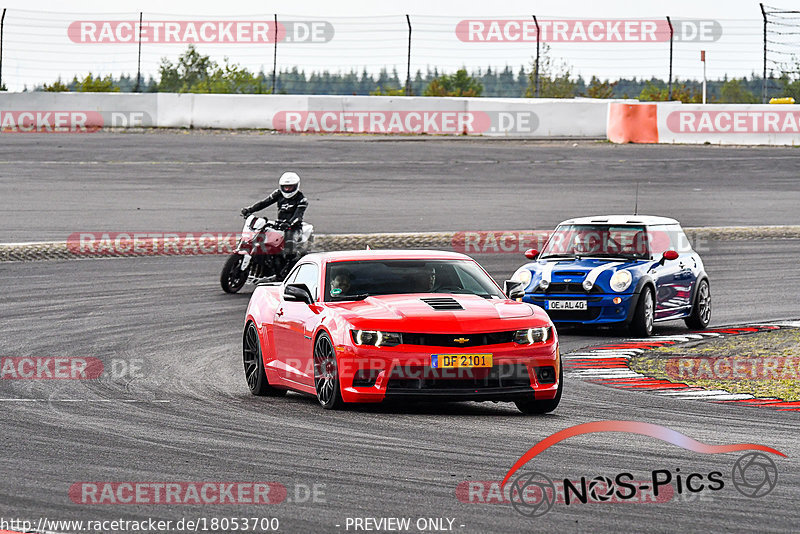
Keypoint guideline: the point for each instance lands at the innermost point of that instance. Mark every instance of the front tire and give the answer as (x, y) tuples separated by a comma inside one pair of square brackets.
[(254, 365), (701, 311), (643, 315), (233, 277), (326, 373), (538, 407)]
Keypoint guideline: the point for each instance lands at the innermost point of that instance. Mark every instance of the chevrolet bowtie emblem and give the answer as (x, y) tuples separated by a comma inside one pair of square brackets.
[(461, 340)]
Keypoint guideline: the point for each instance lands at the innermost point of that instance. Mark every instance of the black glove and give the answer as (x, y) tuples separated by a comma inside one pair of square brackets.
[(245, 212), (281, 225)]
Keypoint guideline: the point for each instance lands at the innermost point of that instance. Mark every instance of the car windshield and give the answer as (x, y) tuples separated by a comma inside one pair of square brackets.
[(598, 241), (355, 280)]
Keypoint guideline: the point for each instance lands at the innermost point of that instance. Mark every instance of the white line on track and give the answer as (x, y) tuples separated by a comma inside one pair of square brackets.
[(564, 161)]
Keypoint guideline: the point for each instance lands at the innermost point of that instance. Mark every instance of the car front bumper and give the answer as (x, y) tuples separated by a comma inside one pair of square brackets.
[(600, 308), (372, 374)]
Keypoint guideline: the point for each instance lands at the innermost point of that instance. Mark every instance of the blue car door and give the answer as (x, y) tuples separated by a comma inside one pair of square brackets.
[(667, 278)]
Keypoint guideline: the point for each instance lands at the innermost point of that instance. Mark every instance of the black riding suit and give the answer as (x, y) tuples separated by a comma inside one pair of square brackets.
[(290, 210)]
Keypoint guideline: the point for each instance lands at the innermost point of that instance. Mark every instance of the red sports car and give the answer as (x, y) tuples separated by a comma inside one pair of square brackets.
[(364, 326)]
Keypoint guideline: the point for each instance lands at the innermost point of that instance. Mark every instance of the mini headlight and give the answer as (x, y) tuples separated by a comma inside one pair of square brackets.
[(523, 276), (587, 285), (376, 338), (529, 336), (621, 280)]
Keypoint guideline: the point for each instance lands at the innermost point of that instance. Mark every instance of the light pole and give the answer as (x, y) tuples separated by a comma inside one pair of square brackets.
[(703, 59)]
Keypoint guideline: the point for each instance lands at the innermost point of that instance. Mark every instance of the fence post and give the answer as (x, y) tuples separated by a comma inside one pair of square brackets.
[(536, 67), (408, 65), (275, 55), (764, 75), (671, 35), (2, 24), (139, 59)]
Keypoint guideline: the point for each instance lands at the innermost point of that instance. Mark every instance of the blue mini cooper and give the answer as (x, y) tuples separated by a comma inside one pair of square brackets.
[(617, 270)]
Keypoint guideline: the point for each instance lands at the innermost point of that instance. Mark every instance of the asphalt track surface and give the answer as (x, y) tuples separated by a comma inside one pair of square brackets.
[(53, 185), (187, 416)]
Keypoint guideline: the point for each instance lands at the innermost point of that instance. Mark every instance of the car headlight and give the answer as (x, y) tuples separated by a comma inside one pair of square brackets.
[(621, 280), (376, 338), (529, 336), (544, 284), (587, 285), (523, 276)]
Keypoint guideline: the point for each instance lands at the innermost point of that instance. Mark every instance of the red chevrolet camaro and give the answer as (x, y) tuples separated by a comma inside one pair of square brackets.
[(364, 326)]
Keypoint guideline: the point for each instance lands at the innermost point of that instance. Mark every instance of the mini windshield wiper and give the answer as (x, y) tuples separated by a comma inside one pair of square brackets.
[(558, 256), (612, 257)]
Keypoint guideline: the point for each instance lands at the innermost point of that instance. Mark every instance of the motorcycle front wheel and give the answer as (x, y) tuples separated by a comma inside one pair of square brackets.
[(233, 277)]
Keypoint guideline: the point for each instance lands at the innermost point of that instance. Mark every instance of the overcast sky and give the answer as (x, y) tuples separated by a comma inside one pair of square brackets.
[(371, 35)]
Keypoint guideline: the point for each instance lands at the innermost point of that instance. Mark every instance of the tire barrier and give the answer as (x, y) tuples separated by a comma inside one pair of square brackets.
[(64, 250)]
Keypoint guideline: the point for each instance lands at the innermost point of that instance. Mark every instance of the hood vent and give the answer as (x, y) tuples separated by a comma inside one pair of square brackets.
[(442, 303)]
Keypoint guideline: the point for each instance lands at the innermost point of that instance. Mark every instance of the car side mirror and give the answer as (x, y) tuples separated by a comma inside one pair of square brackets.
[(669, 255), (298, 293), (531, 253), (513, 290)]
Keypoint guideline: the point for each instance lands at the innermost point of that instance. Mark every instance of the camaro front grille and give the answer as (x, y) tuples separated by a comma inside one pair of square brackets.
[(458, 340), (420, 379)]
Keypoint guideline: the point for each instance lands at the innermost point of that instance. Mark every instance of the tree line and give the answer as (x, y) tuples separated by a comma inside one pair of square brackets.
[(197, 73)]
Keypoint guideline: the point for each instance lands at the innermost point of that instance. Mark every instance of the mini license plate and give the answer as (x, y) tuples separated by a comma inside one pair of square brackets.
[(449, 361), (567, 305)]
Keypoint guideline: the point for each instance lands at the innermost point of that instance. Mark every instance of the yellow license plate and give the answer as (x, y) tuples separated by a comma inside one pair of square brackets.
[(449, 361)]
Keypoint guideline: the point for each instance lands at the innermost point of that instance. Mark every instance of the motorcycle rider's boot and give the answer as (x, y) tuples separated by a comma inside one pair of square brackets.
[(290, 262)]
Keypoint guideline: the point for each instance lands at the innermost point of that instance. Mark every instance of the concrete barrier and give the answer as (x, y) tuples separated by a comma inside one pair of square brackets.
[(673, 122), (508, 117)]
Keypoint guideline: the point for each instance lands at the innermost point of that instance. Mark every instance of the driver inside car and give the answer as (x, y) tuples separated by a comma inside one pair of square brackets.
[(340, 285)]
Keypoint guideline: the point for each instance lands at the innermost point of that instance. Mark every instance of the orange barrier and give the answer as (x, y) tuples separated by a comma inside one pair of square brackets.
[(632, 123)]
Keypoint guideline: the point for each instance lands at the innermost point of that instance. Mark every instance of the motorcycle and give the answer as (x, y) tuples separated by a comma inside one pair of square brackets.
[(260, 254)]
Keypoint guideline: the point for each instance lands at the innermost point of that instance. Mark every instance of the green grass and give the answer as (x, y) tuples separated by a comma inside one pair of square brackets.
[(743, 349)]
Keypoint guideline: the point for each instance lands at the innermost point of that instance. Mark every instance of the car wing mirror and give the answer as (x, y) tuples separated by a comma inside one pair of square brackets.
[(298, 293), (669, 255), (531, 253), (513, 290)]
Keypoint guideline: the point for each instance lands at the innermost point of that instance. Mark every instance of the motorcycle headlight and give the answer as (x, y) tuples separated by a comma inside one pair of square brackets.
[(376, 338), (621, 280), (522, 275), (529, 336)]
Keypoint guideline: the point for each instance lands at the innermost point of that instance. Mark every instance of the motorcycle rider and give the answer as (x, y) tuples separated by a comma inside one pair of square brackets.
[(292, 205)]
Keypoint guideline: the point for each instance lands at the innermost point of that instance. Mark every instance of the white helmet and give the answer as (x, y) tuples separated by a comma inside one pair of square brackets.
[(289, 184)]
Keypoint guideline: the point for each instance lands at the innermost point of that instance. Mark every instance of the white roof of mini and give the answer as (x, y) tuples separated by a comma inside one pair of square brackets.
[(647, 220)]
